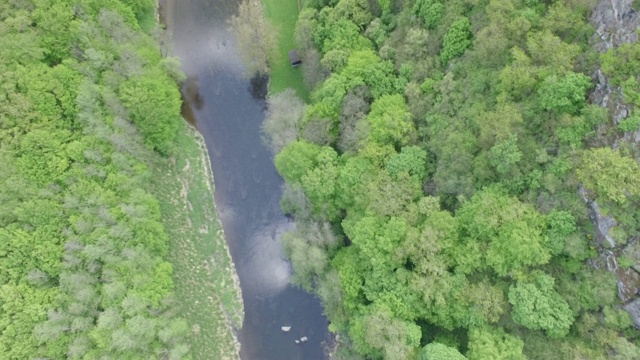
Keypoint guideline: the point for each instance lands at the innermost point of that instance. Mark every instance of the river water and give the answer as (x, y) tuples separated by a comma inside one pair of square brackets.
[(228, 110)]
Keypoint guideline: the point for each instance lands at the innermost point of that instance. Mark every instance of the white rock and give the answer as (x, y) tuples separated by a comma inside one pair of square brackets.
[(297, 341), (286, 328), (303, 339)]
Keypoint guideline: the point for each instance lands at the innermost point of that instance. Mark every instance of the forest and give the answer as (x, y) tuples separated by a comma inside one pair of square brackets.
[(88, 107), (436, 175)]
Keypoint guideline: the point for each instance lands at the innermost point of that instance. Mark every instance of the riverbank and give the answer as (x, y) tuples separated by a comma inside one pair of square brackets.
[(206, 285)]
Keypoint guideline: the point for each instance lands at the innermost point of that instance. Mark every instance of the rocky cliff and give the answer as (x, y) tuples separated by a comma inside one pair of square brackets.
[(616, 22)]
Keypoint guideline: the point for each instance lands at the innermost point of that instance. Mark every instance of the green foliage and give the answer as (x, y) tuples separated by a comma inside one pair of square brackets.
[(315, 169), (456, 41), (500, 125), (561, 224), (341, 35), (625, 262), (83, 251), (376, 31), (588, 290), (355, 10), (295, 160), (309, 248), (366, 67), (549, 50), (437, 351), (282, 75), (411, 160), (502, 233), (454, 150), (621, 63), (505, 155), (58, 28), (564, 95), (610, 175), (319, 183), (538, 306), (518, 79), (454, 179), (617, 318), (354, 182), (575, 130), (493, 343), (431, 12), (154, 104), (630, 124), (141, 7), (384, 4), (390, 121), (379, 333)]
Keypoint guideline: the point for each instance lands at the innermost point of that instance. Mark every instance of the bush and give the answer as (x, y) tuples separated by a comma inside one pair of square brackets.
[(630, 124), (456, 41)]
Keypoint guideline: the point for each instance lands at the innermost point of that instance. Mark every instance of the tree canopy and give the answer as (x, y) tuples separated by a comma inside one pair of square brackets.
[(457, 136), (86, 99)]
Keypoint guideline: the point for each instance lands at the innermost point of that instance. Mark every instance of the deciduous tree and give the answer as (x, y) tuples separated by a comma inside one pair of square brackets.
[(537, 306), (256, 36)]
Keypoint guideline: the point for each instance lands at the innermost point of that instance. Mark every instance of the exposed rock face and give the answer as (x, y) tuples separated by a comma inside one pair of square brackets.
[(628, 279), (616, 23), (603, 223), (634, 308), (610, 97)]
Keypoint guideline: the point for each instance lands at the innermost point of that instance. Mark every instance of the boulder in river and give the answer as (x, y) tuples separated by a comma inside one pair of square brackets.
[(304, 339), (286, 328)]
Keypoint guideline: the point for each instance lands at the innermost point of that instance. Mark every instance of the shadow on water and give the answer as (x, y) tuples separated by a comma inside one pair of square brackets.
[(191, 93), (192, 100), (258, 86), (228, 110)]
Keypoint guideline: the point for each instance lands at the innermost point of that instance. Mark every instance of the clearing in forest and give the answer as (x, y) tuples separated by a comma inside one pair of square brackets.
[(283, 15)]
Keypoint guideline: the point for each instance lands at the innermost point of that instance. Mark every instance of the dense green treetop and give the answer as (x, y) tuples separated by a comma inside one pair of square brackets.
[(453, 146), (85, 98)]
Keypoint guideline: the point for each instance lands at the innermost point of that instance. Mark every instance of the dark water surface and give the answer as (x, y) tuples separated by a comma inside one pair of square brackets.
[(228, 111)]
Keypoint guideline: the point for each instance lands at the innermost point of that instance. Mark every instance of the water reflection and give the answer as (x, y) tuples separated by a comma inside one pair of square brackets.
[(271, 271)]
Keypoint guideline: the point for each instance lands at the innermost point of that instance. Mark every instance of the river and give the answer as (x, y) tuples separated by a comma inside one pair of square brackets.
[(228, 110)]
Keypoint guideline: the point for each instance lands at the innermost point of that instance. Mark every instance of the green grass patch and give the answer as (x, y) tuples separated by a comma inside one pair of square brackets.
[(148, 20), (283, 15), (206, 285)]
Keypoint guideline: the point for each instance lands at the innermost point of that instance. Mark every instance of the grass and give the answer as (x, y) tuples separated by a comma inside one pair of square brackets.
[(148, 20), (283, 15), (206, 285)]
